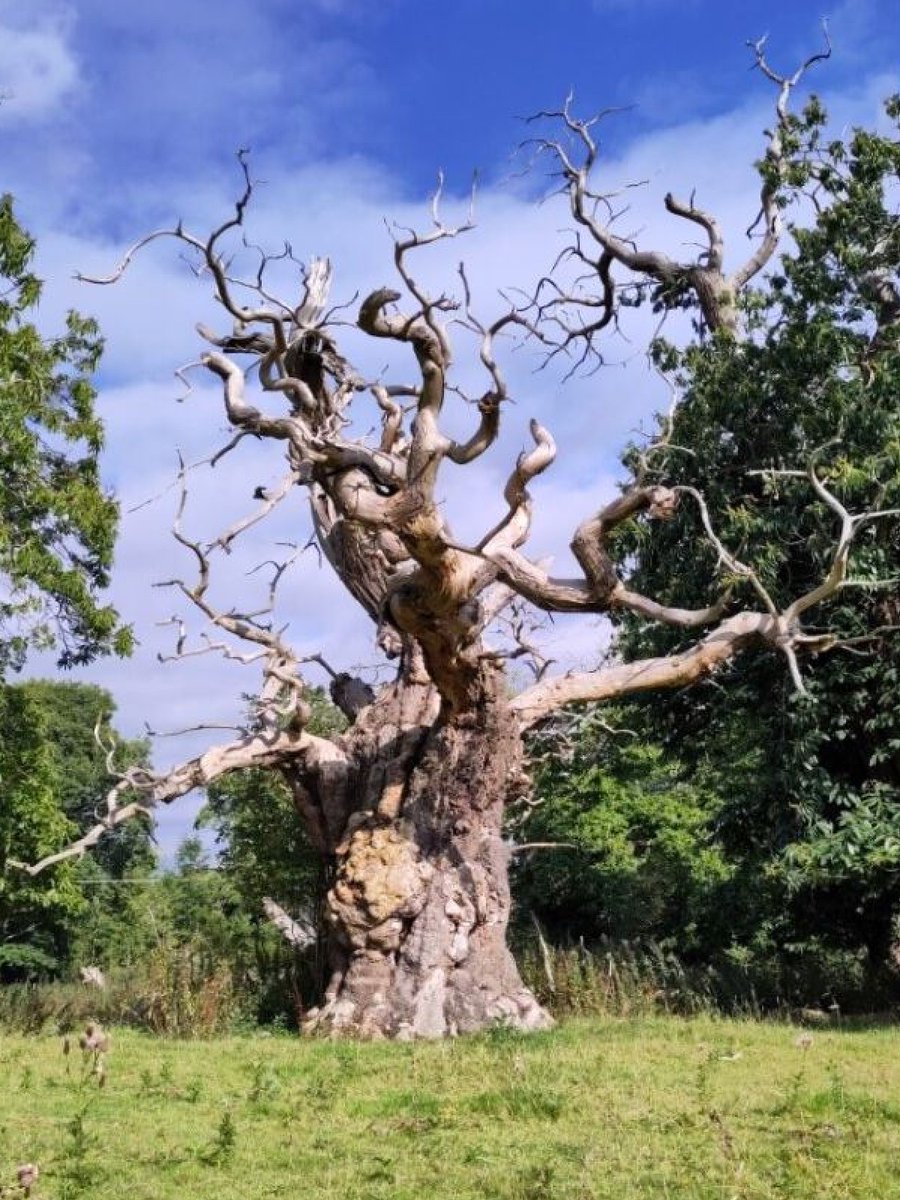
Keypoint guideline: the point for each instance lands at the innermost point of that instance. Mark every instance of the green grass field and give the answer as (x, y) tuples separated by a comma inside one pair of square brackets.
[(660, 1108)]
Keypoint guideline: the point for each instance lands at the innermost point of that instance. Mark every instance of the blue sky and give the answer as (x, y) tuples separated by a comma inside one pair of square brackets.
[(175, 86), (120, 117)]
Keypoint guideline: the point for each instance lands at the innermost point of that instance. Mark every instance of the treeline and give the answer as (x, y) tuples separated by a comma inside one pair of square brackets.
[(169, 939)]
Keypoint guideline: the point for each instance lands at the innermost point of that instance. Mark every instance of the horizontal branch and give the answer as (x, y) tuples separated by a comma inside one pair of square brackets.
[(254, 750), (733, 636)]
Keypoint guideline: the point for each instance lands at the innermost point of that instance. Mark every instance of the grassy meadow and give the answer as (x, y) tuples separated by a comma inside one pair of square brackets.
[(655, 1107)]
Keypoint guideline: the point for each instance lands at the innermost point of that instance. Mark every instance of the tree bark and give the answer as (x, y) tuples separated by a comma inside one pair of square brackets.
[(418, 911)]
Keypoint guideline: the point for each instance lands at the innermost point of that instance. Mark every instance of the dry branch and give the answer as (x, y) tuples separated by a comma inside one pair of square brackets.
[(703, 278)]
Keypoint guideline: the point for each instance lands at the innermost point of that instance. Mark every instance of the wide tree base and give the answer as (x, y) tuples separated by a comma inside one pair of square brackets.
[(442, 1004), (417, 912)]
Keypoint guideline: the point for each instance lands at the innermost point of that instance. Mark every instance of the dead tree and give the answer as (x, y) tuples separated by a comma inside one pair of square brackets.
[(407, 804)]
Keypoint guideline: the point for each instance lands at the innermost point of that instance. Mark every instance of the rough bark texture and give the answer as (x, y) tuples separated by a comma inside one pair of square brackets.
[(420, 902)]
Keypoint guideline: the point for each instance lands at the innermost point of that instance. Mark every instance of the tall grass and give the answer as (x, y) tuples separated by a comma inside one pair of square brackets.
[(621, 978), (180, 991), (177, 992), (618, 979), (174, 992)]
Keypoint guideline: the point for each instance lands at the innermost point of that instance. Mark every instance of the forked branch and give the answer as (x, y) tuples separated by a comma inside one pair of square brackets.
[(703, 279), (254, 751)]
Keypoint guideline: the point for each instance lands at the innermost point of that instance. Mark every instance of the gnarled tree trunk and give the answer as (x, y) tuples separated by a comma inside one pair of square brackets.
[(418, 910), (407, 805)]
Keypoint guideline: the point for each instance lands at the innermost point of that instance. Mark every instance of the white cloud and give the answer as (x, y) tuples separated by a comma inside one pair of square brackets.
[(38, 71)]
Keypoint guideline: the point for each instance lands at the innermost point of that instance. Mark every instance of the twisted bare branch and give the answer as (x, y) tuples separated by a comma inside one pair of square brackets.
[(252, 751), (704, 277)]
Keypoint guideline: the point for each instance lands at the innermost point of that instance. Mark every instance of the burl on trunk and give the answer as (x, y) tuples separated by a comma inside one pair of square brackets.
[(418, 910)]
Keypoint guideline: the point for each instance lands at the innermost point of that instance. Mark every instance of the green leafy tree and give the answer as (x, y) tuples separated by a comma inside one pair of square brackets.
[(263, 846), (204, 908), (810, 781), (34, 913), (57, 525), (78, 720), (624, 845), (263, 842), (58, 776), (265, 852)]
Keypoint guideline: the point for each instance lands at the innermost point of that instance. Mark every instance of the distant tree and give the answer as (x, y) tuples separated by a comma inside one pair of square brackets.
[(78, 724), (265, 852), (170, 929), (205, 905), (57, 524), (34, 913), (54, 777), (406, 805), (263, 841)]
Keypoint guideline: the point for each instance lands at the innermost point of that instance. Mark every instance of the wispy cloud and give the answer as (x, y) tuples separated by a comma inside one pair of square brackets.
[(38, 69)]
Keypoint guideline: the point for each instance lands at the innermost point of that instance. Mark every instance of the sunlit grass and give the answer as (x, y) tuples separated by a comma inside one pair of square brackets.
[(649, 1108)]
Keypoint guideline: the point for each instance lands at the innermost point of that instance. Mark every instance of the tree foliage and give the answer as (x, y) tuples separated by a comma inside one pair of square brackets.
[(264, 851), (34, 913), (57, 524), (78, 724), (262, 841), (809, 783), (624, 845), (54, 776)]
